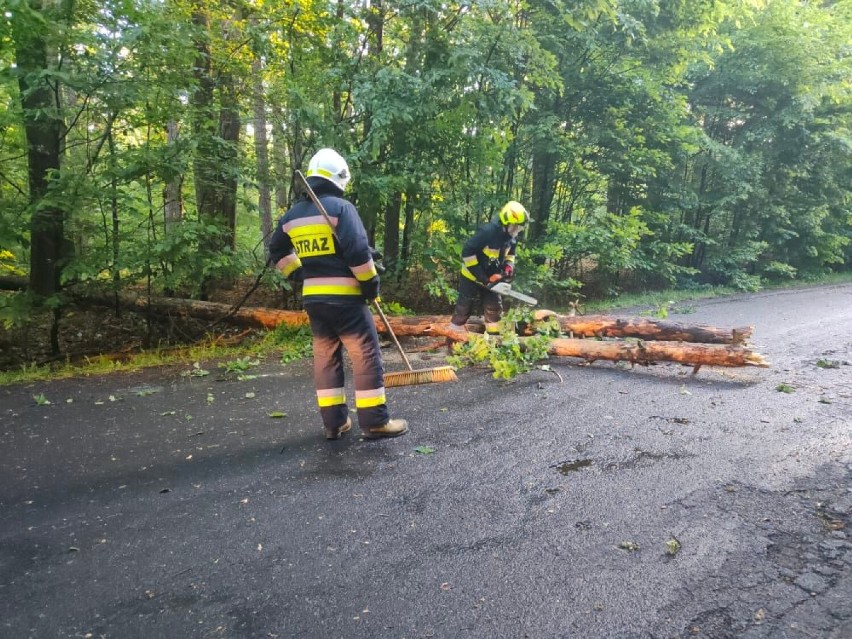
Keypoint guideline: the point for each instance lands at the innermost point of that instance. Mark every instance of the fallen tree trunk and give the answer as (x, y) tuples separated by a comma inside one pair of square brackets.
[(676, 348), (649, 328), (257, 317), (437, 325), (642, 352), (208, 311)]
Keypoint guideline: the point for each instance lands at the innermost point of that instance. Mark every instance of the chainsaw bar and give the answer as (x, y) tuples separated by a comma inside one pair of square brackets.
[(504, 288)]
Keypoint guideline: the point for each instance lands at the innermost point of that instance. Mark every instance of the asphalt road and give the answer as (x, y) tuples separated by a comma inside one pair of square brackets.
[(613, 503)]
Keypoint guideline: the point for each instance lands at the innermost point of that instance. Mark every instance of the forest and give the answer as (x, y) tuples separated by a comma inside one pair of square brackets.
[(149, 146)]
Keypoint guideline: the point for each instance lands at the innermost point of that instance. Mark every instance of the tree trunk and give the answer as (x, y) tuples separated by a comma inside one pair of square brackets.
[(43, 128), (647, 328), (264, 200), (215, 164), (391, 241), (543, 179), (225, 209), (172, 200), (407, 232), (280, 171), (203, 124), (642, 352)]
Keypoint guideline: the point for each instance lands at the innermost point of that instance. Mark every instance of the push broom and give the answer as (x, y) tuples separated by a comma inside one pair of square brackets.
[(411, 377)]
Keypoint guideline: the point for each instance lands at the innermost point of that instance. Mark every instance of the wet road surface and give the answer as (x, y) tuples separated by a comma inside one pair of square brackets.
[(615, 503)]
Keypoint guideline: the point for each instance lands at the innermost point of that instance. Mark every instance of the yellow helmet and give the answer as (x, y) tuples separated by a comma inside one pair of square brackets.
[(514, 213)]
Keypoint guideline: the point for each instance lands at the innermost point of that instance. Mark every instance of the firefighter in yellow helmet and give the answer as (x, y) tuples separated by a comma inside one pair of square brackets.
[(489, 257), (339, 276)]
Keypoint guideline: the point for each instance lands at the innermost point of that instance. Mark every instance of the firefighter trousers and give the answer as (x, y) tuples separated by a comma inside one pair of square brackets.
[(350, 326), (492, 305)]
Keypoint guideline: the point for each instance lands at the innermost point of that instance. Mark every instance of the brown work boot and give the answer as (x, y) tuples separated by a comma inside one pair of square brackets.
[(394, 428), (335, 434)]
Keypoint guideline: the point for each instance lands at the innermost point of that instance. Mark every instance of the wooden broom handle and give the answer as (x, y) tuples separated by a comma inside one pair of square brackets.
[(325, 214), (392, 334)]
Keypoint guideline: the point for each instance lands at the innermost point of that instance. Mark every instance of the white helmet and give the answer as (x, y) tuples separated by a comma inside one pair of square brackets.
[(328, 164)]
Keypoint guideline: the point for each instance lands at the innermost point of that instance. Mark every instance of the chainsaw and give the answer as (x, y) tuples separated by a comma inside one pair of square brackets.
[(505, 289)]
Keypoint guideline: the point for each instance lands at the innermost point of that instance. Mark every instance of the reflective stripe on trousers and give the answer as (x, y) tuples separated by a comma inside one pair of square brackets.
[(349, 326), (469, 292)]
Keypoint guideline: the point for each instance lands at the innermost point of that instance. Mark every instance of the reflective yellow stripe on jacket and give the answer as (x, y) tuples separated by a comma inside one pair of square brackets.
[(330, 286), (288, 264), (365, 272)]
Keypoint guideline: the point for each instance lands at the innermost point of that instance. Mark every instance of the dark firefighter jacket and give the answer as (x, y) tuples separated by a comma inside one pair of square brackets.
[(332, 269), (485, 253)]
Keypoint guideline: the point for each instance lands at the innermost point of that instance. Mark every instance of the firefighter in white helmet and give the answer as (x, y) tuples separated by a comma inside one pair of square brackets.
[(339, 276), (489, 257)]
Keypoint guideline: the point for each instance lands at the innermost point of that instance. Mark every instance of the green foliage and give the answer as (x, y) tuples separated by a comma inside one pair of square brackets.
[(196, 371), (503, 353), (240, 365), (41, 400), (654, 142), (294, 342), (828, 363), (731, 268), (395, 308), (15, 309), (662, 311), (779, 271)]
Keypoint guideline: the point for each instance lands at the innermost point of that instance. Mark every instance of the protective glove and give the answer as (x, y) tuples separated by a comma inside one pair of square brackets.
[(370, 289), (377, 260), (508, 272), (495, 278)]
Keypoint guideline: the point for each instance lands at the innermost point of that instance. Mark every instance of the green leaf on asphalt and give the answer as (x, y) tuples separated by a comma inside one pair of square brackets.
[(41, 400), (277, 415), (828, 363), (785, 388), (196, 371), (672, 547), (424, 450)]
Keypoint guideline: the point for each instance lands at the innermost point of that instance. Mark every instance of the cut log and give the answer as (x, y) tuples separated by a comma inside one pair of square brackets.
[(208, 311), (645, 328), (642, 352)]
